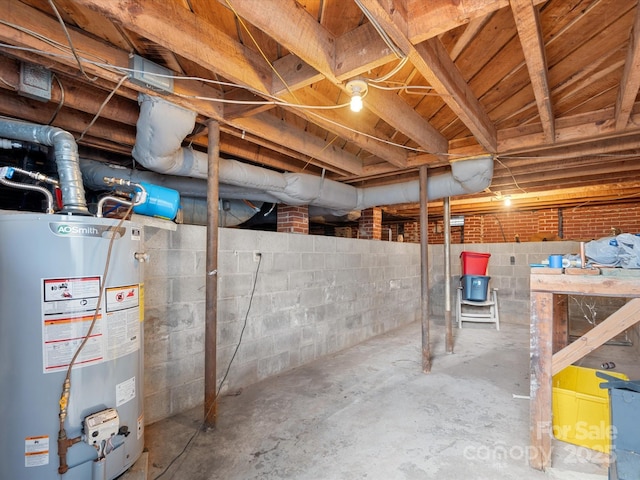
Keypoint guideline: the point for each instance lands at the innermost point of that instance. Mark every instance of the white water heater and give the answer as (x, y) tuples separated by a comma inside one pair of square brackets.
[(51, 283)]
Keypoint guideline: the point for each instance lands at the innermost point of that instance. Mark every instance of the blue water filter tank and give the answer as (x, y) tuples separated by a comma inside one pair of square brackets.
[(160, 202)]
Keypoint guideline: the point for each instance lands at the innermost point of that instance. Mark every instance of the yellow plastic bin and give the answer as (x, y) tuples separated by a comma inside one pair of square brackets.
[(581, 409)]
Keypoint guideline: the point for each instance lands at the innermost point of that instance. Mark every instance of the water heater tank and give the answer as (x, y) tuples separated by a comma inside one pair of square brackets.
[(51, 280)]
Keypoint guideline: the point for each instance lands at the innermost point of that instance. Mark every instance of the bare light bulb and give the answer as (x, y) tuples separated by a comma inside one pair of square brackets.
[(356, 88), (356, 102), (507, 201)]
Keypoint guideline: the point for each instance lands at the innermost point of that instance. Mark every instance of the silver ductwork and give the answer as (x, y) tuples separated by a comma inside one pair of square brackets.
[(65, 151), (162, 126), (193, 192)]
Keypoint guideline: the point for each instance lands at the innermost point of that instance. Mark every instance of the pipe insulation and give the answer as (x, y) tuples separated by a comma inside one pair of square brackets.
[(65, 151), (162, 126)]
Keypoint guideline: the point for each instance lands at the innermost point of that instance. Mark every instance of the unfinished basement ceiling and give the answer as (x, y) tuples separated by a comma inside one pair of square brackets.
[(549, 87)]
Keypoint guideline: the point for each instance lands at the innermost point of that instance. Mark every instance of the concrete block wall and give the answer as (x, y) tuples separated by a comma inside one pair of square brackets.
[(512, 280), (314, 295)]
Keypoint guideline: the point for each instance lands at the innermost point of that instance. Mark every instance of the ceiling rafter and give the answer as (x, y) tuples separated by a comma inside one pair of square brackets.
[(428, 19), (630, 82), (187, 92), (434, 63), (530, 35), (292, 25), (573, 130)]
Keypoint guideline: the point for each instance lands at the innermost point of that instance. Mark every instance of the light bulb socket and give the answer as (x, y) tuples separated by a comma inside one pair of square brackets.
[(357, 88)]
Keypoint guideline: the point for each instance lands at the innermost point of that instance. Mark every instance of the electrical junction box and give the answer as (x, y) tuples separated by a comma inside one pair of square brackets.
[(150, 75), (101, 426), (35, 82)]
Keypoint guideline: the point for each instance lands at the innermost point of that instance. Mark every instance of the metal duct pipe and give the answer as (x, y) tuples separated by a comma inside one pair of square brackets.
[(93, 174), (193, 192), (65, 150), (158, 147), (232, 212)]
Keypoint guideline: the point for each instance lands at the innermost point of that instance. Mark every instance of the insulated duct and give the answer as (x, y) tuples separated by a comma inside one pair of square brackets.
[(65, 150), (193, 192), (162, 126)]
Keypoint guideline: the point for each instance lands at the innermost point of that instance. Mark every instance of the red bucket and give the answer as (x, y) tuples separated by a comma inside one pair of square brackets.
[(474, 263)]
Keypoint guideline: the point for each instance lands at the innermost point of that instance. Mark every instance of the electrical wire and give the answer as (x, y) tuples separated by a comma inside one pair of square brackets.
[(409, 89), (15, 87), (104, 104), (60, 103), (118, 69), (73, 49), (224, 377), (211, 99), (403, 61), (255, 42), (504, 239), (515, 182), (381, 31)]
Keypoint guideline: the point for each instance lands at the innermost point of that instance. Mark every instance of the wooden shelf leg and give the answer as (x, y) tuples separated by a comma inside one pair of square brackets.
[(541, 343)]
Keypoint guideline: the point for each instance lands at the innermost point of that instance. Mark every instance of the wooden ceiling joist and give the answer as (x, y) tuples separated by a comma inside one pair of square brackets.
[(550, 87)]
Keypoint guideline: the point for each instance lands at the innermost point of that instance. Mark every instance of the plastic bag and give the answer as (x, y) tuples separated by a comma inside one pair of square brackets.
[(628, 250), (603, 251)]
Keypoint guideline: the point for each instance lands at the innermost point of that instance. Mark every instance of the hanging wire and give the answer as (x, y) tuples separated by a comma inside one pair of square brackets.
[(104, 104), (224, 377), (515, 182), (383, 34), (73, 49), (60, 103)]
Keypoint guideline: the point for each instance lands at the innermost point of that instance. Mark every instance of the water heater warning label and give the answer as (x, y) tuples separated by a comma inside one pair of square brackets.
[(68, 309), (36, 451), (68, 295)]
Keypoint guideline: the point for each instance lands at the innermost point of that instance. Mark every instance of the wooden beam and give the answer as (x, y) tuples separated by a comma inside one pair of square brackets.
[(540, 378), (296, 74), (625, 317), (34, 20), (393, 110), (428, 19), (297, 139), (630, 82), (571, 130), (288, 27), (560, 322), (474, 26), (187, 92), (359, 51), (181, 31), (434, 63), (346, 124), (243, 103), (293, 23), (529, 32)]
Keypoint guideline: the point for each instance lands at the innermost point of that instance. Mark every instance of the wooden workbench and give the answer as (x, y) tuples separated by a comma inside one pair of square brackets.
[(549, 342)]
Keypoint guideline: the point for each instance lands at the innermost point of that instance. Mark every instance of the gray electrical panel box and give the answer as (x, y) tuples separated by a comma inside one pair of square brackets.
[(150, 75), (35, 82)]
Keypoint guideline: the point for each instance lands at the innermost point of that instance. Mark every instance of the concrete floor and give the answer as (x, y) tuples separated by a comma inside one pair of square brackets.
[(369, 412)]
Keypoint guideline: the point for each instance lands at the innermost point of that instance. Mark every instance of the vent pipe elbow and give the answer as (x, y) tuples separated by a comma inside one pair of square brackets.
[(473, 174), (161, 128), (65, 151)]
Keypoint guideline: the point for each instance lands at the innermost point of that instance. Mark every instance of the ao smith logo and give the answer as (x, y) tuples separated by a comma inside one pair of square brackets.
[(80, 230), (65, 229)]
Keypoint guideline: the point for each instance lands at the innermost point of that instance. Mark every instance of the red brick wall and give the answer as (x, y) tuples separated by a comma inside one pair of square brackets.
[(370, 223), (581, 223), (293, 219)]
